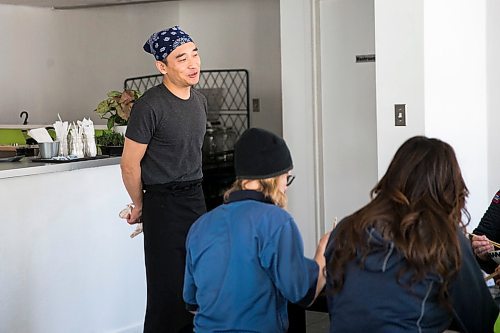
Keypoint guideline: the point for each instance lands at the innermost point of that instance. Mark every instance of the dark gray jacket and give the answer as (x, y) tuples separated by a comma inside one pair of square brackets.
[(372, 300), (490, 227)]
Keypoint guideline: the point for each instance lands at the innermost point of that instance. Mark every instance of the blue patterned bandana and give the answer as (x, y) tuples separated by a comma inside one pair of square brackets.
[(162, 43)]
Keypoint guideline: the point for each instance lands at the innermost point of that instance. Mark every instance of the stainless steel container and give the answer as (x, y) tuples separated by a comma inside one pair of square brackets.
[(48, 149)]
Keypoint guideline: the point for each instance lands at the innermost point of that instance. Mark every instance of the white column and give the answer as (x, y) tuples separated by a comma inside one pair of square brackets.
[(431, 56), (399, 72), (493, 97), (297, 61), (455, 88)]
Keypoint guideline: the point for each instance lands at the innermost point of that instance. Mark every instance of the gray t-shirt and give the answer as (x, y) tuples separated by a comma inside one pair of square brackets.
[(173, 129)]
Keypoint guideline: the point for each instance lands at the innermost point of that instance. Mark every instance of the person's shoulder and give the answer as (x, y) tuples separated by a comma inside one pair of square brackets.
[(275, 215), (153, 92), (260, 211), (198, 95), (267, 206), (205, 219), (336, 228), (278, 211), (496, 199), (197, 228), (149, 96)]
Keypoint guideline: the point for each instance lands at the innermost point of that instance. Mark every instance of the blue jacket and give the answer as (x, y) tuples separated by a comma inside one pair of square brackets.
[(244, 260), (373, 294)]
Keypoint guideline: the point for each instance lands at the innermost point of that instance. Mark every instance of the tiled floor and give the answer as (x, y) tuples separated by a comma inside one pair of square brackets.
[(317, 322)]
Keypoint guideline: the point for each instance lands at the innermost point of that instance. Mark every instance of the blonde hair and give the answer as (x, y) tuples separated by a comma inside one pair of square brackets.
[(268, 187)]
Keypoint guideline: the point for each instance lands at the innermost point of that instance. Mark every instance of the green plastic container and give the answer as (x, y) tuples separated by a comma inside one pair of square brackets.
[(12, 136)]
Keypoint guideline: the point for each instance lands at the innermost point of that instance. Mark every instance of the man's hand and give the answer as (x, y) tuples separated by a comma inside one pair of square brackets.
[(132, 214), (135, 215)]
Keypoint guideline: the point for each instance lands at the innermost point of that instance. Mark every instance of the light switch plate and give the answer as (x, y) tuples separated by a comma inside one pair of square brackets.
[(399, 114), (256, 105)]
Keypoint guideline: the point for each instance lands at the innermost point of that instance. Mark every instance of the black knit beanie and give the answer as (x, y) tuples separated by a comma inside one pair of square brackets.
[(260, 154)]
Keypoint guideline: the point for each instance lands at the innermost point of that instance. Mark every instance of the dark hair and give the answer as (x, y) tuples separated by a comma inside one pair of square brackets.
[(418, 204)]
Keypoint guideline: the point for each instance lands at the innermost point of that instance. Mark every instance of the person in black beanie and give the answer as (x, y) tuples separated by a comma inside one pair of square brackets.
[(245, 258), (260, 154)]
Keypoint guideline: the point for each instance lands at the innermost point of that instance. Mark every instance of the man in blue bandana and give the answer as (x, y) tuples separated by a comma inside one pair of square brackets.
[(162, 172)]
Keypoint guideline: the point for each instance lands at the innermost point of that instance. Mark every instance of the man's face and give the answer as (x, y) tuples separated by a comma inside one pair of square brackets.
[(183, 65)]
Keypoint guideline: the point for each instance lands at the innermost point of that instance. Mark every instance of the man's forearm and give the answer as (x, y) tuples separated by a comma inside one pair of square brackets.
[(133, 153), (133, 185)]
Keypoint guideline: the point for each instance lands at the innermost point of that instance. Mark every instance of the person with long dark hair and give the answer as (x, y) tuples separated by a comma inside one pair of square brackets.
[(402, 263)]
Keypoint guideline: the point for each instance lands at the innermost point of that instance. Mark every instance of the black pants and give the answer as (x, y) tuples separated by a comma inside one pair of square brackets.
[(168, 213)]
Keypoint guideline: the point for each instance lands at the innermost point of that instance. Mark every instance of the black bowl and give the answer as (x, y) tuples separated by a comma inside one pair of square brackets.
[(111, 150)]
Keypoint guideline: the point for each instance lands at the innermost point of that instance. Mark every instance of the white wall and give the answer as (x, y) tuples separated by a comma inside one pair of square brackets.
[(332, 138), (493, 97), (348, 105), (66, 61), (241, 34), (298, 115), (400, 74), (439, 71), (430, 55), (455, 89)]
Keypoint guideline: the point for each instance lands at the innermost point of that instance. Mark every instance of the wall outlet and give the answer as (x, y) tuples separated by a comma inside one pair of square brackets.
[(399, 114), (256, 104)]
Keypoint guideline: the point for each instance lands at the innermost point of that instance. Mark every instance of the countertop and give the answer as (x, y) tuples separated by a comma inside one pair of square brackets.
[(30, 126), (26, 167)]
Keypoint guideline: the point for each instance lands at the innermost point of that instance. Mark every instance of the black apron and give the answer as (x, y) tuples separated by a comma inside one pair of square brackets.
[(168, 212)]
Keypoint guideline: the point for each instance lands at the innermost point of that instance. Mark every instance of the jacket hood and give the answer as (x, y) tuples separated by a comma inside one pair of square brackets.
[(383, 254)]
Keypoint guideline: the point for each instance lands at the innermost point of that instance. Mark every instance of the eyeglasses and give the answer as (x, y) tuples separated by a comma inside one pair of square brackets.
[(289, 180)]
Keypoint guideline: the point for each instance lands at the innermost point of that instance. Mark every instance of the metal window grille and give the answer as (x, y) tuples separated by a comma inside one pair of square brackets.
[(231, 85)]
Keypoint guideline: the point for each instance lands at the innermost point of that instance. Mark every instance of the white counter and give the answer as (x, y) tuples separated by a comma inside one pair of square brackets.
[(30, 126), (27, 167), (67, 262)]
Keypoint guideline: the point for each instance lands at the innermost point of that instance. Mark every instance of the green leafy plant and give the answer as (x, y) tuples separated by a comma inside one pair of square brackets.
[(110, 138), (116, 108)]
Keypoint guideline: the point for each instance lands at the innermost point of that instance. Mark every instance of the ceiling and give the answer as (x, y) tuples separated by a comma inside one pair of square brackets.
[(75, 4)]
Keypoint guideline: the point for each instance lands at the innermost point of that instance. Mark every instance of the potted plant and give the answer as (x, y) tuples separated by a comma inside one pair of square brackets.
[(110, 143), (116, 108)]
